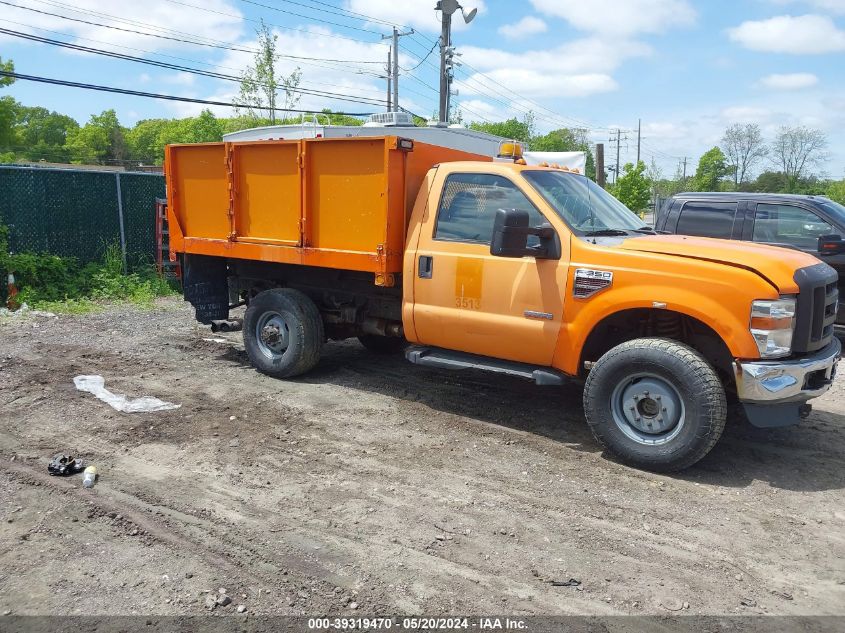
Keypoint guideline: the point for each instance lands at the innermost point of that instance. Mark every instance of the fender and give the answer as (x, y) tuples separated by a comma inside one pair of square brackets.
[(711, 296)]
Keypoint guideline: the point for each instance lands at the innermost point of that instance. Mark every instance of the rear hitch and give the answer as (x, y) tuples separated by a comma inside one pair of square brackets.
[(804, 411), (226, 325)]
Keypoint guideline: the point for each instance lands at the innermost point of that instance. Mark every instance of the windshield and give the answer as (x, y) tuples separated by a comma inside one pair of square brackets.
[(836, 210), (582, 204)]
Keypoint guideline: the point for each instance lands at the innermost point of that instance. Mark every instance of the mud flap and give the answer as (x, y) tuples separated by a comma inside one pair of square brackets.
[(773, 416), (204, 280)]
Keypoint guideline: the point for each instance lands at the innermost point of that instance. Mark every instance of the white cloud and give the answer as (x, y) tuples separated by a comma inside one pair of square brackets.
[(588, 55), (529, 25), (535, 84), (158, 14), (178, 79), (476, 109), (419, 14), (798, 35), (579, 68), (625, 17), (789, 81), (833, 6)]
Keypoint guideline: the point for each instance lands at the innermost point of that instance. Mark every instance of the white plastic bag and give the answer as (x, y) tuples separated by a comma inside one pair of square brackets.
[(96, 385)]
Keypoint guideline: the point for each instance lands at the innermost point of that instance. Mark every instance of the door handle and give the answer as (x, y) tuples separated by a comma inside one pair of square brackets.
[(425, 267)]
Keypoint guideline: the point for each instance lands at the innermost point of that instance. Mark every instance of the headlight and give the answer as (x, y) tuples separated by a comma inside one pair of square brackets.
[(772, 323)]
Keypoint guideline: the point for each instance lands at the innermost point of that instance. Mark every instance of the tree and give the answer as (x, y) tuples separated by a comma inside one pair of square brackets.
[(43, 134), (633, 187), (7, 108), (511, 129), (143, 141), (99, 140), (744, 147), (8, 67), (796, 150), (770, 182), (260, 83), (836, 191), (712, 167)]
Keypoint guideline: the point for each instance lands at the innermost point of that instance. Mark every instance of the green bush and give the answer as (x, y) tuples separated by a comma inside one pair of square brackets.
[(62, 284)]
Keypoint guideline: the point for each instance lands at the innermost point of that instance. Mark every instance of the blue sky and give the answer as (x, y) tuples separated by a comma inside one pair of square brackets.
[(687, 68)]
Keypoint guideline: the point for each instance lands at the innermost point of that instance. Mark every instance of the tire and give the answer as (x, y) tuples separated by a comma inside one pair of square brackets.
[(283, 332), (383, 344), (679, 404)]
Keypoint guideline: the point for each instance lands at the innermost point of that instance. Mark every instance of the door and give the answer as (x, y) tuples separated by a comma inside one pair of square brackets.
[(469, 300), (789, 225)]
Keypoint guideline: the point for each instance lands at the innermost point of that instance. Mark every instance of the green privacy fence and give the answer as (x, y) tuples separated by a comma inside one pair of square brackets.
[(78, 213)]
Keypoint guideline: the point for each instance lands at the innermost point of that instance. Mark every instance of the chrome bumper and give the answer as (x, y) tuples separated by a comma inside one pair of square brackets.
[(781, 381)]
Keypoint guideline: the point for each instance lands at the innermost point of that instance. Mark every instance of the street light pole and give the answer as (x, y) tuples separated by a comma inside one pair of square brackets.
[(447, 8), (445, 83)]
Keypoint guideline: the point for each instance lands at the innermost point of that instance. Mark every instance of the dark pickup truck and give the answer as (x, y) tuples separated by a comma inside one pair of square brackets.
[(812, 224)]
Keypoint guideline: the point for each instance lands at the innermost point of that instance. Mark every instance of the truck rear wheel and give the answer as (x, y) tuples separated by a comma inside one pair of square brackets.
[(655, 404), (283, 332)]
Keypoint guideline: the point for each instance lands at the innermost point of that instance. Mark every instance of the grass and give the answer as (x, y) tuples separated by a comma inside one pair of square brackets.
[(63, 285)]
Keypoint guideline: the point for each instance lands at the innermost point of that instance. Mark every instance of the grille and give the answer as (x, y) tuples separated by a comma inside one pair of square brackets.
[(816, 310)]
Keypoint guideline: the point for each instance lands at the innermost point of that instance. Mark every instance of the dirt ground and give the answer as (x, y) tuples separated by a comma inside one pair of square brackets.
[(374, 486)]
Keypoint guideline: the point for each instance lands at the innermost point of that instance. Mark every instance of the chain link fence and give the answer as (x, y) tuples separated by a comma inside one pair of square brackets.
[(78, 213)]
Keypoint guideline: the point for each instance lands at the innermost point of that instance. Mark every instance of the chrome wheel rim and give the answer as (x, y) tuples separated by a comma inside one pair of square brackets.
[(273, 335), (648, 409)]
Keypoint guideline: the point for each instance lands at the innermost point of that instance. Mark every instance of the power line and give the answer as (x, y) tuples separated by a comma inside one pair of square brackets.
[(347, 13), (299, 15), (154, 95), (180, 68), (141, 50), (422, 61), (211, 43)]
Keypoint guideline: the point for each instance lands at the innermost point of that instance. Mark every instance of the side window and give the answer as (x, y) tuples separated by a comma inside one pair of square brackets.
[(785, 224), (707, 219), (469, 204)]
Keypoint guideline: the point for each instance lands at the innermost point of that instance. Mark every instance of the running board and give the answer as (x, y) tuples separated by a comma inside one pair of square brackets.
[(448, 359)]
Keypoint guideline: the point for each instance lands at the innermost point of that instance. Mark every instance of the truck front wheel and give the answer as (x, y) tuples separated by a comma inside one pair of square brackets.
[(655, 404), (283, 332)]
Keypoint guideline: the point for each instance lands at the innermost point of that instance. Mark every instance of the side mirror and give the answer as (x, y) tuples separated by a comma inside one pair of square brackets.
[(510, 233), (510, 237), (831, 245)]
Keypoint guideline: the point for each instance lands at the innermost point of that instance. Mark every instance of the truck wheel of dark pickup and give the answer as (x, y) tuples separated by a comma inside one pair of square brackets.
[(383, 344), (283, 332), (655, 404)]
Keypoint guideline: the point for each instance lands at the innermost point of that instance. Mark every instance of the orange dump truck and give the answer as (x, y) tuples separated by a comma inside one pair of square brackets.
[(464, 261)]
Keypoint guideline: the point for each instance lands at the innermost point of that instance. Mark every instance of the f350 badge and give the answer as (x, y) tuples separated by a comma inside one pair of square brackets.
[(588, 282)]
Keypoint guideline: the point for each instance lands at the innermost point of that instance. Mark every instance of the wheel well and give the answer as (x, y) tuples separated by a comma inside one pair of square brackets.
[(647, 322)]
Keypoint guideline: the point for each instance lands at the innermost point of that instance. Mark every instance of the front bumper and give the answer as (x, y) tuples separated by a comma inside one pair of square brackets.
[(787, 381)]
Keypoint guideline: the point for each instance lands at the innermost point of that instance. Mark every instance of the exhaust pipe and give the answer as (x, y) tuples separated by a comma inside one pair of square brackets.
[(225, 325)]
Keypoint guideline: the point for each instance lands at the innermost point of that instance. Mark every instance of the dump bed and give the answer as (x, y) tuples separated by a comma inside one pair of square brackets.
[(336, 203)]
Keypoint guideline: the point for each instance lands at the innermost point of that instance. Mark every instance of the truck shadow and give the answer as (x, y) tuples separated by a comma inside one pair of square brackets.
[(803, 458)]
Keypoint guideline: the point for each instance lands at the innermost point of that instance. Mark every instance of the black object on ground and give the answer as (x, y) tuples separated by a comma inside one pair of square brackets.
[(63, 465)]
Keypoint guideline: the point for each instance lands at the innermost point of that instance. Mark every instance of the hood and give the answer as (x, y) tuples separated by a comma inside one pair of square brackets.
[(775, 264)]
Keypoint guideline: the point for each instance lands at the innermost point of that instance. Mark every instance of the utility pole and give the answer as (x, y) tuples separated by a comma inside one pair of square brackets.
[(600, 179), (389, 74), (447, 52), (618, 138), (639, 138), (685, 172), (393, 72)]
